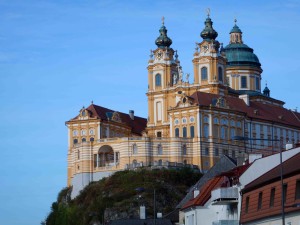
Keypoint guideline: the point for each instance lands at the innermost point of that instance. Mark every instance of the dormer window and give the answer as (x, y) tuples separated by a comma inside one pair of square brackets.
[(83, 113)]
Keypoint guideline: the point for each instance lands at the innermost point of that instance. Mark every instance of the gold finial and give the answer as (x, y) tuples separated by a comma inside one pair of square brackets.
[(163, 20), (208, 12)]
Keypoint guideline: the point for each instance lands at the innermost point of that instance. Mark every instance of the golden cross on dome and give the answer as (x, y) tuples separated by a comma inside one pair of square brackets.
[(208, 12), (163, 20)]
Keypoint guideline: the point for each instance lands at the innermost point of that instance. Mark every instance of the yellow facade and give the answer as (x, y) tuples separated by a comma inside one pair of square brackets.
[(189, 124)]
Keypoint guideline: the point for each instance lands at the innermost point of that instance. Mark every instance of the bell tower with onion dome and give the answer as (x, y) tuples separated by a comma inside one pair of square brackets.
[(163, 74), (209, 62)]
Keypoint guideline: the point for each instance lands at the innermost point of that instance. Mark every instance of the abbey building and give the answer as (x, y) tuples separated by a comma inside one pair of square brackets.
[(188, 124)]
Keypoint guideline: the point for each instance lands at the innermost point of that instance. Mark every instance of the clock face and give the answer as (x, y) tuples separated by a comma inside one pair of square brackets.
[(159, 55), (205, 48)]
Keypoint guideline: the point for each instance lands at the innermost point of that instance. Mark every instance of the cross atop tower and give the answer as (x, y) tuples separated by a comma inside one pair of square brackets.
[(163, 20), (208, 12)]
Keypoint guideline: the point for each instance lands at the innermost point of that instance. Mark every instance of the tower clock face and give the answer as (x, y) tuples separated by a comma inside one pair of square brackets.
[(205, 48), (159, 55)]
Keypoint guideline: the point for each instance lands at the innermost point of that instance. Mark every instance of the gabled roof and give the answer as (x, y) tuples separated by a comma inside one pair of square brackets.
[(289, 166), (98, 112), (214, 183), (256, 109), (224, 164)]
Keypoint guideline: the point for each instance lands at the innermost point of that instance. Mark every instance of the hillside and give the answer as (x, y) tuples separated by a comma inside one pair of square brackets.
[(120, 196)]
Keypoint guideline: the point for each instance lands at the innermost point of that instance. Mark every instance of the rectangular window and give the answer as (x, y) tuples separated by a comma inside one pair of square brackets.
[(184, 132), (95, 160), (176, 132), (259, 203), (233, 154), (158, 111), (284, 192), (272, 197), (247, 205), (216, 152), (243, 82), (192, 131), (158, 134), (257, 83), (206, 151), (206, 131), (297, 194)]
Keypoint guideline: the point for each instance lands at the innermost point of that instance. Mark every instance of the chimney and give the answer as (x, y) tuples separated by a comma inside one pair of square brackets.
[(142, 212), (245, 98), (131, 114), (289, 146), (196, 193)]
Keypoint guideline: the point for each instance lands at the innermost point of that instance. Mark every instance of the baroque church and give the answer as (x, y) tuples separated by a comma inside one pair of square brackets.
[(188, 124)]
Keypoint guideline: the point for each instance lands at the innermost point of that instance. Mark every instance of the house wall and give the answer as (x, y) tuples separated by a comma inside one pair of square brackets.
[(267, 211)]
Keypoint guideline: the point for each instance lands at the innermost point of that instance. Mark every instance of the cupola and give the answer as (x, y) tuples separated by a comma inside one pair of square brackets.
[(236, 34), (163, 40), (208, 33)]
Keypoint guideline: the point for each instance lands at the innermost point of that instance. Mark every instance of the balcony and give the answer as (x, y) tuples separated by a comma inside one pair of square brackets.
[(224, 196), (226, 222)]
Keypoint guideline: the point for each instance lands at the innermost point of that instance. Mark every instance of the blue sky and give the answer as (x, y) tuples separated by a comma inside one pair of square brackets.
[(57, 56)]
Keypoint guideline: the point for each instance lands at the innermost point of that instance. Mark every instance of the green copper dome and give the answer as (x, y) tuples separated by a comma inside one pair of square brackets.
[(239, 54), (163, 40), (208, 32), (235, 29)]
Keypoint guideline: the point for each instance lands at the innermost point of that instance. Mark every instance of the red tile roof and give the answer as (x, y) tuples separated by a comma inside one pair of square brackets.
[(290, 167), (256, 109), (138, 125), (216, 182)]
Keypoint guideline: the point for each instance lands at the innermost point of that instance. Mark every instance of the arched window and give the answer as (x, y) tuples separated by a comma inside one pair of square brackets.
[(203, 73), (192, 131), (134, 149), (184, 132), (206, 131), (159, 150), (176, 132), (158, 80), (83, 140), (92, 139), (75, 141), (183, 149), (160, 162), (134, 163), (220, 74)]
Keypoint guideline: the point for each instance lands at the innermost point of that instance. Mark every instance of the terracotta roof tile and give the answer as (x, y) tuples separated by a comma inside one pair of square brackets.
[(256, 109), (138, 125), (214, 183)]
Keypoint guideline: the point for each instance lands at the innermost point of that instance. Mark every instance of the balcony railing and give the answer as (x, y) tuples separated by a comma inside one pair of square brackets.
[(224, 195), (226, 222)]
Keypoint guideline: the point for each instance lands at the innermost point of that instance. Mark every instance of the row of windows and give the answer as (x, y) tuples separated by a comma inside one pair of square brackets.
[(204, 75), (83, 132), (272, 197), (216, 152), (184, 120), (223, 121), (75, 141), (159, 149), (184, 132)]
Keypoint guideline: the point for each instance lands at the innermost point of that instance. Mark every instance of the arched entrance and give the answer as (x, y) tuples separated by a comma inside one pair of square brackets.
[(106, 156)]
